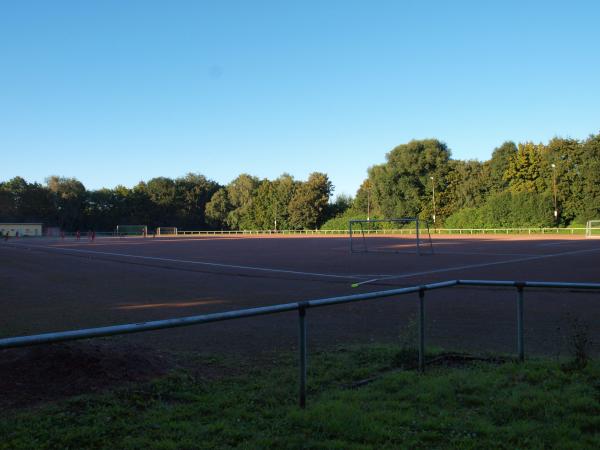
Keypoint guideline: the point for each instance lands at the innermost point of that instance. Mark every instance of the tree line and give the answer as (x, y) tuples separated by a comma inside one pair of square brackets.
[(189, 202), (525, 184), (520, 185)]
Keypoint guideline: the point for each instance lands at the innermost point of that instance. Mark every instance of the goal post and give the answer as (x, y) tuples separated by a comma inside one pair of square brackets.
[(407, 234), (592, 229), (166, 231), (131, 230)]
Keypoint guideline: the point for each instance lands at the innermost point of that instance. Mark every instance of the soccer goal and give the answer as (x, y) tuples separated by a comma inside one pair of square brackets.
[(405, 235), (166, 231), (131, 230), (592, 229)]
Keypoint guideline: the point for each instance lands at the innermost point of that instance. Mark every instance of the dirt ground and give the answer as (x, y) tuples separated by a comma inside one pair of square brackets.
[(52, 285)]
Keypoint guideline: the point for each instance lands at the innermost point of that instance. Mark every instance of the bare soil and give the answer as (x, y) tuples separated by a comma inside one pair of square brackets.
[(54, 285)]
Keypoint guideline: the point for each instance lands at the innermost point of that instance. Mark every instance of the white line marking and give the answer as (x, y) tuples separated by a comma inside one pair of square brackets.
[(476, 266), (483, 253), (325, 275), (210, 264), (560, 243)]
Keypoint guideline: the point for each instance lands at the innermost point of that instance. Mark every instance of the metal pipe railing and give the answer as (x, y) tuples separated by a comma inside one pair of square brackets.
[(522, 230), (301, 307)]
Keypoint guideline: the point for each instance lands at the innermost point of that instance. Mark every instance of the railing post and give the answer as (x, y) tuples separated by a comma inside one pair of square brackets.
[(520, 342), (422, 329), (303, 352)]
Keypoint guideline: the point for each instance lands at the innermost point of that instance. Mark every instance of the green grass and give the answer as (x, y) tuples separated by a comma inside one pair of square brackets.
[(539, 404)]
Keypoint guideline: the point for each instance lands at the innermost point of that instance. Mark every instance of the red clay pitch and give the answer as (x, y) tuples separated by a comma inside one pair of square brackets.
[(51, 285)]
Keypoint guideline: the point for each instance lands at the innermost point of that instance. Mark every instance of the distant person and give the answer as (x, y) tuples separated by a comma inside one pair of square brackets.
[(17, 234), (77, 235), (62, 235), (6, 237), (93, 235)]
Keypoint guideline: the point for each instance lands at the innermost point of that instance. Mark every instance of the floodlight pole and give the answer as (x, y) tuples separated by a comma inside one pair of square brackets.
[(554, 191), (433, 197), (369, 204)]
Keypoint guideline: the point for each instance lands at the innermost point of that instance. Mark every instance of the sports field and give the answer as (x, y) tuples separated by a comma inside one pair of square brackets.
[(52, 285)]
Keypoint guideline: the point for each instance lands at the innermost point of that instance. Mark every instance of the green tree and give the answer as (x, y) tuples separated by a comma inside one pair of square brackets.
[(342, 204), (218, 209), (590, 173), (7, 206), (308, 206), (69, 197), (240, 193), (192, 193), (141, 209), (568, 158), (498, 164), (20, 200), (264, 206), (284, 188), (466, 185), (402, 187), (364, 198), (524, 170)]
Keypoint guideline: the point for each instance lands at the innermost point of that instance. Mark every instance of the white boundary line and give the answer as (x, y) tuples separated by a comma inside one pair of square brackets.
[(205, 263), (551, 244), (476, 266), (483, 253), (326, 275)]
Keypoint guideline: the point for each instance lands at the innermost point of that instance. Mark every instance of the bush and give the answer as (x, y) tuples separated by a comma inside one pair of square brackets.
[(507, 210)]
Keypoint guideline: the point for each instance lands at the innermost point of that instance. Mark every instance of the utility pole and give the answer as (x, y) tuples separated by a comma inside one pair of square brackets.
[(368, 200), (554, 191), (433, 197)]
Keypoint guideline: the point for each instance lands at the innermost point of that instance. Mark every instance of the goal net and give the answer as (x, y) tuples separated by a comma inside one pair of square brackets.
[(592, 229), (404, 235), (166, 231), (131, 230)]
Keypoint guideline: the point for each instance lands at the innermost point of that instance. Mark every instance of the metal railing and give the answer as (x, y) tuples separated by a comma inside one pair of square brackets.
[(302, 307), (401, 231)]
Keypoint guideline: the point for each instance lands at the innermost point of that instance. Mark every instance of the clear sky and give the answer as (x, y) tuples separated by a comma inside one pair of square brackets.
[(114, 92)]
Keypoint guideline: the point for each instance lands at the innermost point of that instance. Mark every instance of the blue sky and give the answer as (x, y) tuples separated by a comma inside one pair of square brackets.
[(114, 92)]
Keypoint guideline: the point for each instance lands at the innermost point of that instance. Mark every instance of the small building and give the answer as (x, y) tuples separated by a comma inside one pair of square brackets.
[(24, 229)]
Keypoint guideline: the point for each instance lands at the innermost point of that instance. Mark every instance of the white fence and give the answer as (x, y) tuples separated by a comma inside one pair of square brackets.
[(528, 231)]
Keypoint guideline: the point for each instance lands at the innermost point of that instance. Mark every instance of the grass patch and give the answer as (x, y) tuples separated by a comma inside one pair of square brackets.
[(539, 404)]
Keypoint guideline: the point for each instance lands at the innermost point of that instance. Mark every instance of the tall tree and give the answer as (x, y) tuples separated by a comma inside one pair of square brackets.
[(240, 193), (308, 207), (264, 206), (218, 209), (590, 172), (69, 196), (498, 164), (466, 186), (402, 187), (192, 193), (284, 188), (7, 206)]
